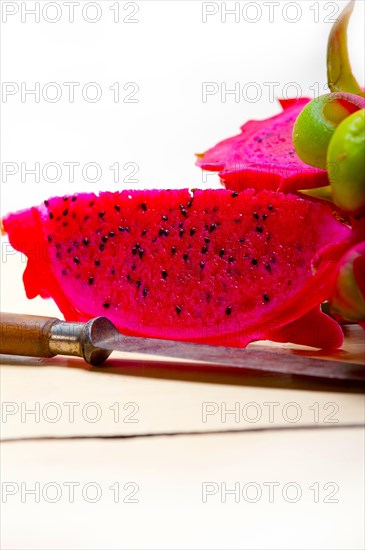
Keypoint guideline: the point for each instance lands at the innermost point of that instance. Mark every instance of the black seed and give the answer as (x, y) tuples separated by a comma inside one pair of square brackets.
[(111, 234), (138, 284), (234, 194), (140, 253), (144, 232), (254, 261), (231, 259), (181, 224), (207, 240), (221, 253), (117, 207), (133, 267), (51, 216), (266, 298), (192, 231), (291, 152), (112, 271), (256, 216), (65, 224), (144, 206), (86, 217), (65, 198), (259, 229), (49, 238), (164, 274), (97, 263), (238, 220), (128, 277), (76, 260), (160, 231), (268, 267), (186, 256), (189, 203), (228, 310), (106, 305), (145, 291), (91, 204), (202, 264), (204, 250), (64, 271), (101, 214), (121, 229), (85, 241), (46, 203), (241, 240), (178, 310), (91, 280), (166, 232), (183, 210), (104, 239), (173, 250), (264, 217), (270, 207), (164, 218), (101, 247), (134, 251), (65, 212), (181, 233), (212, 227), (127, 229), (74, 198)]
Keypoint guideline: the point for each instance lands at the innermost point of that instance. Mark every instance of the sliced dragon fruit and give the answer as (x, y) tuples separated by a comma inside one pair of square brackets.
[(262, 156), (213, 266)]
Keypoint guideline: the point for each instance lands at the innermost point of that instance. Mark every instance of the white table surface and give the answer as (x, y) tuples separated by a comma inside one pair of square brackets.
[(144, 430)]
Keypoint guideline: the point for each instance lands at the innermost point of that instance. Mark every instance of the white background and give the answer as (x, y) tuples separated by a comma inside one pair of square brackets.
[(169, 53)]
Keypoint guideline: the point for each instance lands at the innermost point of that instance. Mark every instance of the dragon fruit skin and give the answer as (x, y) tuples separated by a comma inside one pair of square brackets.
[(216, 267), (263, 155), (348, 299)]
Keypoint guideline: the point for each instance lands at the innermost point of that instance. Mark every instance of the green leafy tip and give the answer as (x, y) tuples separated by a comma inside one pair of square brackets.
[(339, 72)]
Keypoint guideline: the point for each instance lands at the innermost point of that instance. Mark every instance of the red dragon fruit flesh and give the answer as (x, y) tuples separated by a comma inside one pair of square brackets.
[(212, 266), (262, 156)]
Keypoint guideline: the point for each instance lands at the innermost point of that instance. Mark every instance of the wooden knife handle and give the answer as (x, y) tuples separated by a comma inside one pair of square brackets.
[(26, 334)]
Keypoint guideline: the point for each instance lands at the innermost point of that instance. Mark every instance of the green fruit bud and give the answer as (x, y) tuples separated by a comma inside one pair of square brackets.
[(346, 163), (315, 127)]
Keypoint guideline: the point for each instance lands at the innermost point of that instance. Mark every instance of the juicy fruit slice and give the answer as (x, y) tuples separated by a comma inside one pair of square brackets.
[(216, 267), (263, 156)]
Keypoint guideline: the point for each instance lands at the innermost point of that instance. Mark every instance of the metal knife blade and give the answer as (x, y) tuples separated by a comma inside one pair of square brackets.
[(95, 340), (237, 359)]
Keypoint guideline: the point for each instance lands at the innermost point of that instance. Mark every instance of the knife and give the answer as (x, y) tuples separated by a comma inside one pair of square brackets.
[(95, 340)]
